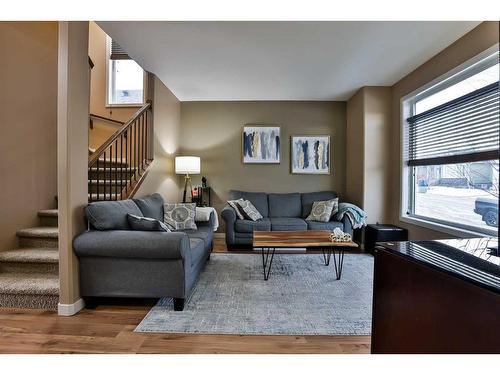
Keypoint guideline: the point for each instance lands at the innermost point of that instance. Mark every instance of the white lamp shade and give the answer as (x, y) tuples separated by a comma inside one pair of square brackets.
[(187, 165)]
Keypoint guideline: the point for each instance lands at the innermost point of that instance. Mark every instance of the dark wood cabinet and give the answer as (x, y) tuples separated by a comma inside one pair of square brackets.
[(419, 308)]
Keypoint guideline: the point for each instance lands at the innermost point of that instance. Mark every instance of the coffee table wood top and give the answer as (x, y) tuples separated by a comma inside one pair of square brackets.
[(300, 238)]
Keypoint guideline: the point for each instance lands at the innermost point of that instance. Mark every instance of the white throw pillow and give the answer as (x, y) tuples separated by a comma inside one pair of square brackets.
[(180, 215), (234, 205), (249, 210), (323, 210)]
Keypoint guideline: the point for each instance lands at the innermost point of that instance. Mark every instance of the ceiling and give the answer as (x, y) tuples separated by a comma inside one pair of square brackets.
[(281, 60)]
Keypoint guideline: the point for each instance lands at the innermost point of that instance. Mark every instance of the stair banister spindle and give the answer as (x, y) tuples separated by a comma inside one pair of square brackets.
[(121, 166), (104, 177), (116, 170)]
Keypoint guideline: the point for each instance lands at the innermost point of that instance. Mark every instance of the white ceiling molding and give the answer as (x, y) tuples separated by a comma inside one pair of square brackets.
[(202, 61)]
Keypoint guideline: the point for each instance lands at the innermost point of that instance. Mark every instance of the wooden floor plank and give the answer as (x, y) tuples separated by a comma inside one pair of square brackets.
[(110, 329)]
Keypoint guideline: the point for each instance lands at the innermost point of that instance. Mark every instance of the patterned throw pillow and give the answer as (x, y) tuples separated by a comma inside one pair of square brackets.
[(249, 210), (147, 224), (180, 215), (234, 204), (323, 210)]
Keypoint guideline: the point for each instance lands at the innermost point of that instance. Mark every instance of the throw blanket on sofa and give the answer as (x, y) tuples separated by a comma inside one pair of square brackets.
[(203, 214), (355, 214)]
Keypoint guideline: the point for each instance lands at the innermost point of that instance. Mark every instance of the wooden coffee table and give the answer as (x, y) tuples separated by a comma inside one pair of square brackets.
[(267, 242)]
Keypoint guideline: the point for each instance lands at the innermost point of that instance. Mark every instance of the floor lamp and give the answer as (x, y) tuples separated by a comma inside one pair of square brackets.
[(187, 165)]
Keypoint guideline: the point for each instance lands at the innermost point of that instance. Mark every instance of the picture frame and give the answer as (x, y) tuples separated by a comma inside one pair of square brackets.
[(261, 144), (310, 154)]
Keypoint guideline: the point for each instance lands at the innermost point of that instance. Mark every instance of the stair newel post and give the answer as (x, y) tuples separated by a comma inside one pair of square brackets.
[(146, 128), (116, 169), (127, 137), (144, 138), (135, 150)]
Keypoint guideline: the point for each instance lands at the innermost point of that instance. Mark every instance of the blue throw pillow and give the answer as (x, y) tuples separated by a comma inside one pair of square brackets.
[(147, 224)]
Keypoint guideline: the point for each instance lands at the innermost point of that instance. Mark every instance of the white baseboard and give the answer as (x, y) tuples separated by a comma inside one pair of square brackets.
[(70, 309)]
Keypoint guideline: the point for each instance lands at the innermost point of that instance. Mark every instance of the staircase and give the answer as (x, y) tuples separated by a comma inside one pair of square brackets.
[(111, 180), (118, 167), (29, 275)]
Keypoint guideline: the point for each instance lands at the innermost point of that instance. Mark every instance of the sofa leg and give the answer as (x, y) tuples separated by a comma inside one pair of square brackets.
[(90, 303), (178, 304)]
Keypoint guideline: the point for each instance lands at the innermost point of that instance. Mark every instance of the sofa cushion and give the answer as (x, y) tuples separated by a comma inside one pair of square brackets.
[(309, 198), (317, 225), (203, 233), (249, 226), (284, 205), (151, 206), (147, 224), (111, 215), (180, 215), (259, 200), (287, 223)]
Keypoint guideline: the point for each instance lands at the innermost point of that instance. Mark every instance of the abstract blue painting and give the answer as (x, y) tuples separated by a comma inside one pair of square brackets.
[(261, 144), (310, 154)]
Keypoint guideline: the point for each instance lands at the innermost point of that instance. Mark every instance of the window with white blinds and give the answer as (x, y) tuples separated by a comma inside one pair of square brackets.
[(462, 130), (450, 150)]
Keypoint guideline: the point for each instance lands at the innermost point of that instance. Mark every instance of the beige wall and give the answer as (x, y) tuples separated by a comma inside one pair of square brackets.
[(377, 119), (28, 124), (213, 131), (97, 52), (479, 39), (167, 121), (355, 154), (368, 140)]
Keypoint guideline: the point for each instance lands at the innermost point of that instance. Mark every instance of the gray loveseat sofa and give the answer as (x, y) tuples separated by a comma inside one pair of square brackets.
[(116, 261), (281, 212)]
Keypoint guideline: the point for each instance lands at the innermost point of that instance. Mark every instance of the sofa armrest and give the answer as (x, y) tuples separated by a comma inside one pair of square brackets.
[(210, 223), (229, 216), (133, 244)]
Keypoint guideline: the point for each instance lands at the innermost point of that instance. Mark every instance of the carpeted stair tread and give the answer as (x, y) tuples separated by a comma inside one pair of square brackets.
[(40, 255), (48, 213), (34, 284), (39, 232)]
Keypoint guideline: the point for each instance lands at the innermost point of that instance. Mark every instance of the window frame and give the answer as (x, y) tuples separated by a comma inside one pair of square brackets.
[(108, 88), (469, 68)]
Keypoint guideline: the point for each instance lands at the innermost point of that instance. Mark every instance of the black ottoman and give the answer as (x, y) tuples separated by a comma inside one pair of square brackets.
[(383, 233)]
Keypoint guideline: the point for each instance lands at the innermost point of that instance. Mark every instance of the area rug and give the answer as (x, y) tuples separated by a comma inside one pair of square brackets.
[(301, 297)]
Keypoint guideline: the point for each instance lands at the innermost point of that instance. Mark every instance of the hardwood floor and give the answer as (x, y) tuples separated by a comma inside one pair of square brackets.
[(109, 329)]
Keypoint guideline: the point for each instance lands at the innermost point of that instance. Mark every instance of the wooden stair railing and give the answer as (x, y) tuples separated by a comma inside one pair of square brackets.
[(121, 163), (93, 117)]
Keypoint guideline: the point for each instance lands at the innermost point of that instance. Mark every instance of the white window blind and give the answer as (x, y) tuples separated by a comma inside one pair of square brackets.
[(462, 130)]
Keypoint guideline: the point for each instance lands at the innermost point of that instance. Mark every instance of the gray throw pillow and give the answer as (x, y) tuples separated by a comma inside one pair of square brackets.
[(180, 215), (249, 210), (323, 210), (234, 205), (147, 224)]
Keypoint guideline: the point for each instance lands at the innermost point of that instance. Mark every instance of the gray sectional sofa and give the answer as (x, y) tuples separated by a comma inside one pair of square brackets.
[(281, 212), (116, 261)]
